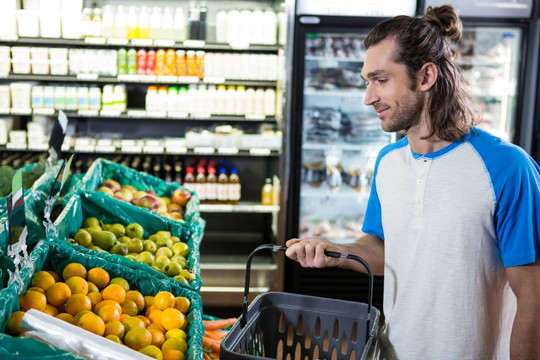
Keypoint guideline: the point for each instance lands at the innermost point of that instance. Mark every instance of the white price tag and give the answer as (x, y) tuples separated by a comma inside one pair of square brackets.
[(147, 78), (177, 114), (128, 142), (16, 146), (117, 41), (9, 38), (136, 113), (167, 79), (87, 77), (105, 148), (44, 111), (240, 45), (88, 112), (259, 117), (85, 148), (194, 43), (201, 116), (228, 150), (203, 150), (38, 146), (65, 147), (95, 40), (104, 142), (164, 43), (328, 64), (4, 110), (129, 77), (214, 80), (176, 149), (21, 111), (152, 143), (188, 79), (110, 113), (4, 74), (156, 114), (141, 42), (132, 149), (260, 152), (153, 149)]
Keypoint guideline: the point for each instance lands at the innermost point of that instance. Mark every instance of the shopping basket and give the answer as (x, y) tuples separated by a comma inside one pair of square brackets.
[(290, 326)]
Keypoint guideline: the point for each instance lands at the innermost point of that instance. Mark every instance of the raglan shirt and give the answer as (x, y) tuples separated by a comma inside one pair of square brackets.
[(451, 221)]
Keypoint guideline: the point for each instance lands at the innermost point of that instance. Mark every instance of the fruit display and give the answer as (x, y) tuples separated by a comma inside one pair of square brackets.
[(161, 251), (171, 207), (94, 299)]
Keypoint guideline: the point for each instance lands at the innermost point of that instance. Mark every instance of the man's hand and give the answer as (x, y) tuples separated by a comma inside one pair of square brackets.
[(309, 252)]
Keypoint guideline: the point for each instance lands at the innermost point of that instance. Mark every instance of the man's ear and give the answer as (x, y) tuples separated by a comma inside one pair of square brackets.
[(428, 76)]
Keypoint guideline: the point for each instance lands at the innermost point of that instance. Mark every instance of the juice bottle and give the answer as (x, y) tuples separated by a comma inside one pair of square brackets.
[(151, 62), (180, 63), (160, 62), (200, 179), (235, 189), (141, 62), (211, 185), (170, 62), (222, 186), (189, 179), (179, 25), (191, 64), (144, 23), (122, 61), (203, 13), (199, 63), (267, 197), (132, 61), (132, 23)]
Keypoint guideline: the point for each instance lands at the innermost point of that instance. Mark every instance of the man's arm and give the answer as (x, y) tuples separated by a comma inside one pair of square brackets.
[(309, 252), (525, 283)]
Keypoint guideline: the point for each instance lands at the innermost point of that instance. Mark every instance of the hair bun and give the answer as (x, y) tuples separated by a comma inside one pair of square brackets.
[(446, 19)]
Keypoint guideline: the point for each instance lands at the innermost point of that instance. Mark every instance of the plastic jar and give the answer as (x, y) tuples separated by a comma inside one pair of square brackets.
[(37, 97), (94, 98), (59, 97), (82, 98), (48, 97), (107, 100), (71, 98), (151, 99)]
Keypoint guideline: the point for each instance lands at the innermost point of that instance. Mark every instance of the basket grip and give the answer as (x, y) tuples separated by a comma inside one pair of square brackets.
[(243, 318)]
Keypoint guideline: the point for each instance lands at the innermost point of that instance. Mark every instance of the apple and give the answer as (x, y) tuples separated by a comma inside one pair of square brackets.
[(112, 184), (181, 197), (125, 194), (148, 202), (106, 190), (129, 188)]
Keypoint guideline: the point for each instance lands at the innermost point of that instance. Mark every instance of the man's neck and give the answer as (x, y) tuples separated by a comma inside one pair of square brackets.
[(420, 145)]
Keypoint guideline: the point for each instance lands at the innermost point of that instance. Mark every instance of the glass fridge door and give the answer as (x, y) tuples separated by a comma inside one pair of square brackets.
[(340, 139), (490, 58)]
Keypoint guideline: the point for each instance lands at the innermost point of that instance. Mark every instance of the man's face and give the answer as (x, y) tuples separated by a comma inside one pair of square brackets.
[(389, 89)]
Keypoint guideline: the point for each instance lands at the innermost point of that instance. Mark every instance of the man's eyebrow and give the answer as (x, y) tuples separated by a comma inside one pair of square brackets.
[(373, 74)]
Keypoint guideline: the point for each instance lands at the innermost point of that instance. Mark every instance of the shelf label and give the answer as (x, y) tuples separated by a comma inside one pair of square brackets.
[(239, 45), (164, 43), (9, 37), (87, 77), (129, 77), (147, 78), (328, 64), (105, 148), (168, 78), (38, 146), (117, 41), (141, 42), (153, 149), (132, 149), (194, 43), (201, 116), (258, 117), (152, 143), (203, 150), (4, 74), (259, 152), (188, 79), (110, 113), (88, 112), (136, 113), (65, 147), (176, 149), (16, 146), (85, 148), (128, 142), (104, 142), (44, 111), (21, 111), (214, 80), (178, 114), (95, 40), (228, 150), (156, 114), (4, 110)]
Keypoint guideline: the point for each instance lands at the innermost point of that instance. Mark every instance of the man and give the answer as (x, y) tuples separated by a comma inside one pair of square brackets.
[(453, 219)]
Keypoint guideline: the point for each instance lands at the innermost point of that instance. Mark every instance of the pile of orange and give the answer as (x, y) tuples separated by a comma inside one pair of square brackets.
[(153, 325)]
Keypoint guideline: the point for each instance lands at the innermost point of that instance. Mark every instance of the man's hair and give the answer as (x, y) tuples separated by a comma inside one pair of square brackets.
[(451, 109)]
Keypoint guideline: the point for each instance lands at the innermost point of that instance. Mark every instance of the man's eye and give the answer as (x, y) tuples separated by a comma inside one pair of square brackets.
[(381, 81)]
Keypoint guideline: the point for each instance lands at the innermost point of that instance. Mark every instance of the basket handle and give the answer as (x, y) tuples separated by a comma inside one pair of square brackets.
[(243, 319)]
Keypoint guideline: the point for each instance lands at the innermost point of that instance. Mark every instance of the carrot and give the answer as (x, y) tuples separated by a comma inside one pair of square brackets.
[(218, 333), (206, 356), (214, 345), (218, 324), (210, 334)]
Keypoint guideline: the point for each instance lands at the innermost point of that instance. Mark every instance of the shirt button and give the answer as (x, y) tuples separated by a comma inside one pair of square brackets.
[(419, 182)]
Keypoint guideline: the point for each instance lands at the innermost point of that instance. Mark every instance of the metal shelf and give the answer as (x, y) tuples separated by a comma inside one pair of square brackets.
[(242, 207)]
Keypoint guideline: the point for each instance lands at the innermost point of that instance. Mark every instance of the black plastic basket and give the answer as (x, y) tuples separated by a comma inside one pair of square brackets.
[(290, 326)]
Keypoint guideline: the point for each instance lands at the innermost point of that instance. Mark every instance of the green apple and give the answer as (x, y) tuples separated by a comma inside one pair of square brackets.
[(172, 269), (135, 230), (149, 246), (181, 248), (135, 245), (146, 258), (164, 251)]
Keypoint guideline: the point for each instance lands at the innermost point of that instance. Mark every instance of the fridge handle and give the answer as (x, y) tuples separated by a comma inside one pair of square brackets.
[(309, 20)]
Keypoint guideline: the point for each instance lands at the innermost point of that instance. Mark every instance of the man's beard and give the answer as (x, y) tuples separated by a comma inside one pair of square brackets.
[(406, 114)]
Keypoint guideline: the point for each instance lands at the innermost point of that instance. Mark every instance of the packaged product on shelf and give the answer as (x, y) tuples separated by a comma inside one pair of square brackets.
[(167, 24), (179, 25)]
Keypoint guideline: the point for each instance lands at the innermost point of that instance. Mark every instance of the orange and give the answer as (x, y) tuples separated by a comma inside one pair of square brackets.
[(58, 294), (133, 323), (99, 277), (77, 317), (129, 307), (38, 289), (92, 287), (122, 282), (182, 303), (152, 351), (43, 280), (109, 313), (74, 269), (114, 338), (173, 355), (100, 304), (157, 337), (66, 317), (95, 297), (51, 310), (32, 300), (56, 277), (115, 328), (149, 310), (164, 300), (138, 338), (77, 285), (148, 301), (137, 298), (124, 317), (144, 319), (92, 323), (155, 317), (77, 303), (174, 344), (156, 327), (179, 333), (114, 292), (14, 323), (172, 319)]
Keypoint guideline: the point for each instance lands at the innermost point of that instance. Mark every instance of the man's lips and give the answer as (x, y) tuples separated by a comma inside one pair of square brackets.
[(382, 112)]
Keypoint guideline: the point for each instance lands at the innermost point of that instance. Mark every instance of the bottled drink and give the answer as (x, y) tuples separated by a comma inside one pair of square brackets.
[(122, 61), (120, 23), (132, 23), (180, 62), (179, 25), (269, 102), (199, 63), (235, 189), (259, 101), (151, 62), (240, 105), (167, 24), (193, 21), (267, 196), (141, 62), (203, 12), (167, 172), (107, 24), (178, 172), (155, 23), (211, 185), (163, 98), (221, 26), (170, 62), (221, 99), (189, 179), (132, 61), (200, 179), (144, 23), (172, 99), (160, 62), (222, 186), (269, 27), (152, 99), (249, 101), (191, 63)]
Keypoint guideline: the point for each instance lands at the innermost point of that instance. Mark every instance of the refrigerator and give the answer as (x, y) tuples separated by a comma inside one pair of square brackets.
[(496, 56), (332, 138)]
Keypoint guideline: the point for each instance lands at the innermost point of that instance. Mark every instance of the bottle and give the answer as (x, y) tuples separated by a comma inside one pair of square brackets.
[(107, 101), (170, 62), (191, 63), (259, 101), (141, 62), (269, 102), (193, 21), (120, 97), (71, 98), (120, 23), (233, 26), (189, 180), (107, 23), (182, 99), (122, 61), (82, 98), (221, 99), (97, 20), (132, 23), (200, 179), (230, 106), (240, 108), (163, 98), (252, 22), (222, 186), (199, 63), (249, 101), (155, 23), (59, 97), (211, 99), (151, 62), (269, 34), (267, 193), (94, 98), (37, 97), (211, 186), (178, 172), (172, 99), (221, 26), (144, 23), (167, 172), (179, 25), (203, 13), (132, 62), (160, 62), (152, 99), (167, 24), (235, 189), (180, 63)]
